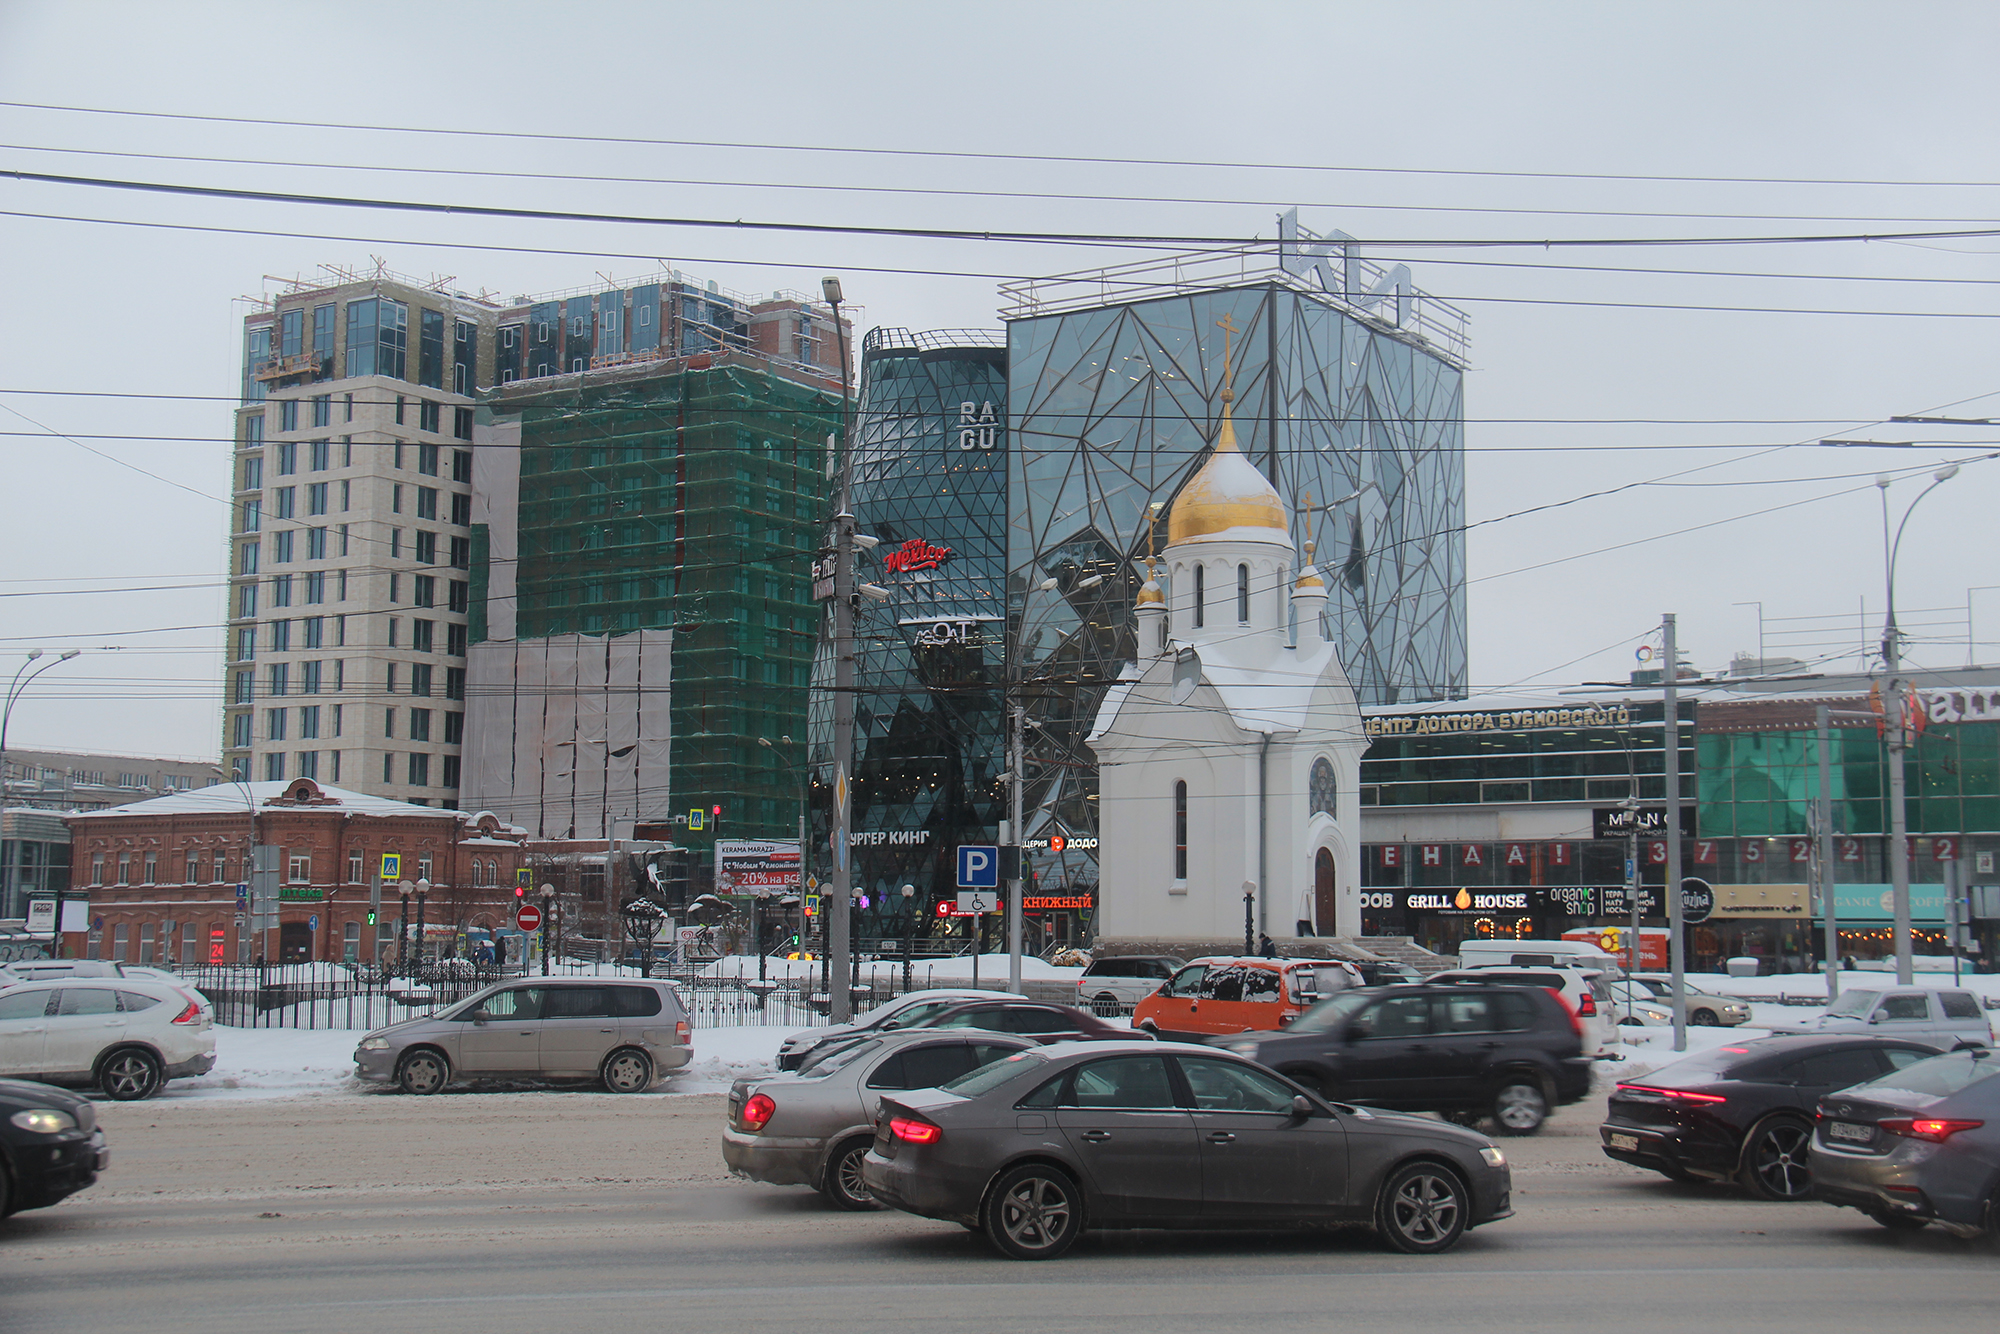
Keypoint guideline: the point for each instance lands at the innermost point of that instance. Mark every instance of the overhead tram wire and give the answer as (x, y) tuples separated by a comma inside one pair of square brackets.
[(993, 157), (1126, 241), (959, 193)]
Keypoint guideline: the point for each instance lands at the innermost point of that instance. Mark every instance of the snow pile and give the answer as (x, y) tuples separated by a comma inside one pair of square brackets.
[(887, 973)]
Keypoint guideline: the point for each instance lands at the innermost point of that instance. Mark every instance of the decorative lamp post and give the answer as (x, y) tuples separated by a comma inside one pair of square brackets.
[(548, 911), (423, 892), (909, 893)]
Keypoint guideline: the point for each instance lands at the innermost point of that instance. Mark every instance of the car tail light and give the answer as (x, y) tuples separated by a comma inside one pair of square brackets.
[(1674, 1095), (1936, 1129), (1586, 1005), (757, 1112), (912, 1131), (1574, 1022), (192, 1014), (682, 1032)]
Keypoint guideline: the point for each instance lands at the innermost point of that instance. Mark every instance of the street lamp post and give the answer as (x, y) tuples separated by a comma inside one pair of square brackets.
[(835, 906), (423, 892), (548, 911), (909, 893), (14, 689), (1899, 722), (403, 929)]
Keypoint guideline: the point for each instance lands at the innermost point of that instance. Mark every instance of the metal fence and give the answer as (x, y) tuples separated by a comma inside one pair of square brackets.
[(338, 996)]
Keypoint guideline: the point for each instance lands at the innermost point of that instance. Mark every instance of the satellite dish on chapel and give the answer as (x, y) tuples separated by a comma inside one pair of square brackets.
[(1187, 675)]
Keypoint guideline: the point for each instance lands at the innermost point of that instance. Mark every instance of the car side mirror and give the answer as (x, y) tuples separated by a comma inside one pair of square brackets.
[(1875, 1018), (1302, 1106), (479, 1016), (888, 1024)]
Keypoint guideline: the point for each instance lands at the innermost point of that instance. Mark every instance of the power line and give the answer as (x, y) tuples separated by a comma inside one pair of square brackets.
[(994, 157), (1128, 241)]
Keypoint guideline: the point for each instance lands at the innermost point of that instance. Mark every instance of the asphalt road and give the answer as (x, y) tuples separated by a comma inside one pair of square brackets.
[(523, 1211)]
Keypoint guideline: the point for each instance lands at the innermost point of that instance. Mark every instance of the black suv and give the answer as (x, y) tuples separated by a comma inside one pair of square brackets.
[(1467, 1051)]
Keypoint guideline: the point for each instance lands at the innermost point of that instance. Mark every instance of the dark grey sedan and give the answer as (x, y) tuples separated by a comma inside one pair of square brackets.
[(1037, 1148), (812, 1128), (1920, 1145)]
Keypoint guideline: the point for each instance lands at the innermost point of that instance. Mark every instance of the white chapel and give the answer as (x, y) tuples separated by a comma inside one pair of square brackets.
[(1228, 754)]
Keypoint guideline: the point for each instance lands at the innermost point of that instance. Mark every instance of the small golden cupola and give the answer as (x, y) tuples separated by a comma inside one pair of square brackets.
[(1228, 497)]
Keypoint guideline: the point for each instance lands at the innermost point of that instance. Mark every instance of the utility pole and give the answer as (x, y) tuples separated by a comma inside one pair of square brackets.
[(838, 901), (1676, 947), (1823, 847), (1017, 717)]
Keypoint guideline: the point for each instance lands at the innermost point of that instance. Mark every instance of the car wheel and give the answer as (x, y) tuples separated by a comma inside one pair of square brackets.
[(1704, 1018), (423, 1072), (1034, 1213), (129, 1075), (842, 1185), (1104, 1005), (1777, 1160), (1520, 1106), (1422, 1209), (1899, 1222), (627, 1070)]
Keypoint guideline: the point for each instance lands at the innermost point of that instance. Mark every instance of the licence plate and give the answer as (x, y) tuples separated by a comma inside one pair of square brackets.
[(1629, 1143), (1848, 1130)]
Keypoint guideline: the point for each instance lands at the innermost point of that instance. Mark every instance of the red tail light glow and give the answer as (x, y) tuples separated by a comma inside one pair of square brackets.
[(190, 1015), (912, 1131), (1674, 1095), (682, 1032), (1936, 1129), (758, 1112), (1587, 1005)]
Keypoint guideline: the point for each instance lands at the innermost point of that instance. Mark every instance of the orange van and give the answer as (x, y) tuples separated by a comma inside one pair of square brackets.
[(1240, 995)]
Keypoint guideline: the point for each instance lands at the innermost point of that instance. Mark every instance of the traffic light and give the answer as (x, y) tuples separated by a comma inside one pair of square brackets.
[(371, 917), (520, 891)]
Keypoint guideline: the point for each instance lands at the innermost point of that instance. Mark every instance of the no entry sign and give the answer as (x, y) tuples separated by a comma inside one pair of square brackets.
[(528, 917)]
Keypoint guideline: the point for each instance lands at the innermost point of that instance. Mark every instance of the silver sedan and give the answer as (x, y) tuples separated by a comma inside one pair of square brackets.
[(813, 1129)]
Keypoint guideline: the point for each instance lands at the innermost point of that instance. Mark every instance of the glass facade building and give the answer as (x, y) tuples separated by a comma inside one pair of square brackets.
[(930, 463)]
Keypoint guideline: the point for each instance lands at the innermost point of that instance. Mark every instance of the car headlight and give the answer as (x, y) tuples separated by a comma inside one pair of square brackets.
[(1493, 1156), (374, 1044), (1657, 1016), (44, 1121)]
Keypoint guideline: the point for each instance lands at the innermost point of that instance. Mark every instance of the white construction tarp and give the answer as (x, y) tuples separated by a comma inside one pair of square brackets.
[(569, 735)]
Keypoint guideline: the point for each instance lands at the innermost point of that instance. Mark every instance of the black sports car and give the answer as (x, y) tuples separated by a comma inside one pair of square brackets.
[(1744, 1111), (50, 1145)]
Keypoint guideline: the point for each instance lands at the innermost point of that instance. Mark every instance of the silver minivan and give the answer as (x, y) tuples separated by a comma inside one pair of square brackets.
[(623, 1032), (1939, 1016)]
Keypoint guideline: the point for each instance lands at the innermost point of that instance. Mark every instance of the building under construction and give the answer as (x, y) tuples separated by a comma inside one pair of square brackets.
[(683, 493)]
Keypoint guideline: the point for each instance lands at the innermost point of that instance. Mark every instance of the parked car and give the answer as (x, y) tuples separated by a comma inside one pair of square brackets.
[(1240, 995), (1385, 972), (125, 1036), (1917, 1146), (50, 1146), (1586, 991), (1537, 954), (1744, 1112), (1467, 1051), (1030, 1019), (1110, 985), (1640, 993), (44, 970), (898, 1013), (625, 1033), (813, 1129), (1038, 1148), (1937, 1016)]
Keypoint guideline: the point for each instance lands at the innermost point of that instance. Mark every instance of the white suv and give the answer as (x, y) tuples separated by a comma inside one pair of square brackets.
[(126, 1036), (1584, 990), (1114, 984), (1938, 1016)]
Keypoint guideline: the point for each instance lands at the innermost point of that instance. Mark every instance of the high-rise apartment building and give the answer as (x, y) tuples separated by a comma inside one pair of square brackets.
[(351, 539)]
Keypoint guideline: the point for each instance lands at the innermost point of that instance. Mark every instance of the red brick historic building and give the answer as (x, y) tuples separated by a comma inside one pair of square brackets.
[(162, 875)]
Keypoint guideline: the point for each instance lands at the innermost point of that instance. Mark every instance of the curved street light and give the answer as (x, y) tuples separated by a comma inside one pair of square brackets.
[(1899, 730), (14, 689)]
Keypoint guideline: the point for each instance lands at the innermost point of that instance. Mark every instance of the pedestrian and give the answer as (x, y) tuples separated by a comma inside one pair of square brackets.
[(1266, 946)]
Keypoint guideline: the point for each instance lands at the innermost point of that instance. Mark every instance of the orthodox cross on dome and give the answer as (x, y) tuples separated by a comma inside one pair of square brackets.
[(1228, 326)]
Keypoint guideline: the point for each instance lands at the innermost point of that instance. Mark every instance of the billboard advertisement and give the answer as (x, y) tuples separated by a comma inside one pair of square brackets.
[(745, 866)]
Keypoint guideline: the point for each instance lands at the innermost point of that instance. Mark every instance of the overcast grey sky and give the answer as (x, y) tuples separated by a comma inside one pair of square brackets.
[(1391, 122)]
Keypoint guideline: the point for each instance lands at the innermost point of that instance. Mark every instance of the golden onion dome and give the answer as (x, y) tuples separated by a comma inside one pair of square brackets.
[(1227, 493), (1150, 595), (1309, 580)]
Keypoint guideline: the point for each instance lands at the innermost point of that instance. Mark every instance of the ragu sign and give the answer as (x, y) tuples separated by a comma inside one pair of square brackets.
[(915, 554)]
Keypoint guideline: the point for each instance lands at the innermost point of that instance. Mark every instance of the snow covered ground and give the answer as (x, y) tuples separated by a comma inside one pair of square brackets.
[(298, 1062), (954, 971)]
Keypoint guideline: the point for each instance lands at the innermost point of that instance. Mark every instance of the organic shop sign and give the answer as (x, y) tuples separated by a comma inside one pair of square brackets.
[(1516, 720)]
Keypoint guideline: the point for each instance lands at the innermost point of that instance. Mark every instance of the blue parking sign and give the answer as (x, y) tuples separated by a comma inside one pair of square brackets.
[(978, 866)]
